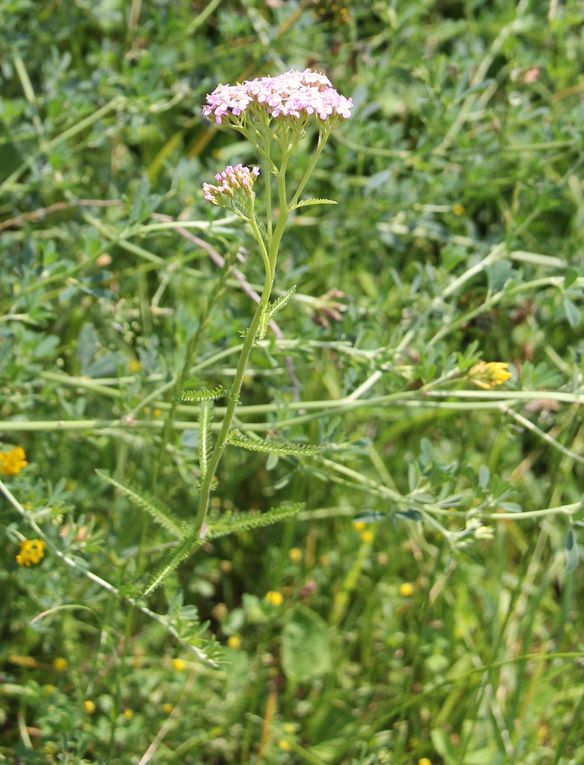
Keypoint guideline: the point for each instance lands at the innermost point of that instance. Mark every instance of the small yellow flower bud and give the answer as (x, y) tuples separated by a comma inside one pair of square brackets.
[(359, 525), (284, 745), (60, 664), (367, 537), (458, 209), (274, 598), (167, 708), (89, 707), (406, 590), (179, 664), (234, 642), (128, 714), (424, 761), (489, 374), (295, 554), (134, 366)]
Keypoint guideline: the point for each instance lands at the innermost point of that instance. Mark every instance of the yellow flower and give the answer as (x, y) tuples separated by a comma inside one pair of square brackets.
[(295, 554), (167, 708), (367, 536), (60, 664), (289, 728), (424, 761), (157, 412), (458, 209), (12, 462), (234, 642), (359, 525), (128, 714), (488, 374), (274, 598), (32, 551), (89, 706), (179, 664), (284, 745), (134, 366), (406, 590)]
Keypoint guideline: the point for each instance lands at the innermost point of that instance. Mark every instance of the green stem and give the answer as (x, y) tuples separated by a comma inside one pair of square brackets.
[(270, 257), (322, 139), (217, 453)]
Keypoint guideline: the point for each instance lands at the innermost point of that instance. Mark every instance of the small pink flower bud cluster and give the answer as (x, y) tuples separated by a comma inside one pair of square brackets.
[(292, 94), (232, 181)]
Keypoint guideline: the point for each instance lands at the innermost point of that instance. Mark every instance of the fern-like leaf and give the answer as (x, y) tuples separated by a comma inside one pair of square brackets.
[(171, 561), (200, 394), (281, 301), (263, 325), (204, 437), (310, 202), (272, 309), (234, 523), (271, 446), (160, 512)]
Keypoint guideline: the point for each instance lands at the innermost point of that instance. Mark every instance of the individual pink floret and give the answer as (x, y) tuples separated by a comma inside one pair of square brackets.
[(293, 94)]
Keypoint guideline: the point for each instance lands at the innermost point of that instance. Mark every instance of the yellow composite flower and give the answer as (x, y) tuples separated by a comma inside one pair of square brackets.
[(32, 551), (234, 642), (295, 554), (274, 598), (13, 461), (406, 589), (60, 664), (488, 374)]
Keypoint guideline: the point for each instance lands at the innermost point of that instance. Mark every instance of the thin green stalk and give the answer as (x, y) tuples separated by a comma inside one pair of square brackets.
[(272, 255), (205, 492), (322, 139)]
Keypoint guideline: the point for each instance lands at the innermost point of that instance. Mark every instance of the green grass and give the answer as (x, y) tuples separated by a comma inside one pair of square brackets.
[(457, 237)]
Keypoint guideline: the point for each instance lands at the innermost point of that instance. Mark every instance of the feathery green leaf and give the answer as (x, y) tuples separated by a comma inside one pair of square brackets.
[(204, 437), (271, 446), (160, 512), (171, 561), (234, 523), (200, 394), (309, 202)]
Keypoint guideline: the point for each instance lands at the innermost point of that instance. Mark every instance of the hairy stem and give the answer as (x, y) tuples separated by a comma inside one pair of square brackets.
[(270, 255)]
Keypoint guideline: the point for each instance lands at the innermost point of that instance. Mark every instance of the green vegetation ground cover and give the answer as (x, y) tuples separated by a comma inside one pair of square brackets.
[(447, 629)]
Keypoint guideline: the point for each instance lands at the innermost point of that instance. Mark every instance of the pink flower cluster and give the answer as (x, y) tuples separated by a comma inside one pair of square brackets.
[(292, 94), (233, 180)]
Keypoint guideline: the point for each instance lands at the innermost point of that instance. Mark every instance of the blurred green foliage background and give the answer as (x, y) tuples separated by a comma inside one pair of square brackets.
[(397, 643)]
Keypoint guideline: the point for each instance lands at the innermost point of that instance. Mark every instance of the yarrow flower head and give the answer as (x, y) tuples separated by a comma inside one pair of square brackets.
[(488, 374), (12, 462), (294, 95), (32, 551), (234, 187)]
